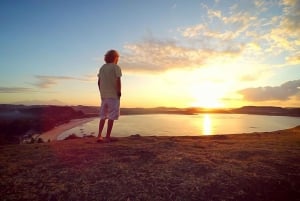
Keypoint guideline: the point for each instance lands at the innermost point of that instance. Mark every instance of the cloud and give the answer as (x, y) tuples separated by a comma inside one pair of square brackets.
[(49, 81), (157, 55), (44, 82), (251, 31), (292, 15), (219, 35), (194, 31), (230, 27), (282, 92), (283, 35), (15, 90), (294, 59), (263, 5)]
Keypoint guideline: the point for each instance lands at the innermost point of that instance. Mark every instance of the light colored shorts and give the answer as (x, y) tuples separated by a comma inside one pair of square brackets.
[(110, 108)]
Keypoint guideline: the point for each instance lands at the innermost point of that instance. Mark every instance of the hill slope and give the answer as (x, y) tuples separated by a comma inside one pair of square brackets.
[(257, 166)]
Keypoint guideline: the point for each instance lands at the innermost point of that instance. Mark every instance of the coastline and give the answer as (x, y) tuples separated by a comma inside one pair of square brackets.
[(55, 132), (52, 135)]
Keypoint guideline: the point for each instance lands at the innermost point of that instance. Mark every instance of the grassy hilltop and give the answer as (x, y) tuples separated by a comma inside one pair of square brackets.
[(260, 166)]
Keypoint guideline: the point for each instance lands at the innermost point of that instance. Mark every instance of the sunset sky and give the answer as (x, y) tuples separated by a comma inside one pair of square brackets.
[(174, 53)]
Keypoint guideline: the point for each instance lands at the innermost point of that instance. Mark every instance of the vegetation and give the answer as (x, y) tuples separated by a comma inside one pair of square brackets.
[(20, 121), (259, 166)]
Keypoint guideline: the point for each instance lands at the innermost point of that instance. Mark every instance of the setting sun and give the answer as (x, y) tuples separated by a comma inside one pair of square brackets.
[(207, 102), (208, 95)]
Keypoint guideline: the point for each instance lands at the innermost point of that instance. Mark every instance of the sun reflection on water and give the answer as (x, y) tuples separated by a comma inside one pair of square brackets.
[(206, 127)]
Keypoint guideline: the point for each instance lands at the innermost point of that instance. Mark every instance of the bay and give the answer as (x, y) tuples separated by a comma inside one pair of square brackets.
[(186, 125)]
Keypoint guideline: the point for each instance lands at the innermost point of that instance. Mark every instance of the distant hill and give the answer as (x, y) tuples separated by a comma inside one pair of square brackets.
[(268, 110), (260, 110)]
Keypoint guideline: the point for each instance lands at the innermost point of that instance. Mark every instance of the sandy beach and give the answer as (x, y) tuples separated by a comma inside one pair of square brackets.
[(260, 166), (55, 132)]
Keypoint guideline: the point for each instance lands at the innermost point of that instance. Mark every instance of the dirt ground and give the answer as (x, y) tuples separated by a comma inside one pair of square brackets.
[(258, 166)]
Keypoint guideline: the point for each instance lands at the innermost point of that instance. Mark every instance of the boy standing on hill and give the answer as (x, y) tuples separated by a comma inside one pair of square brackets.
[(109, 83)]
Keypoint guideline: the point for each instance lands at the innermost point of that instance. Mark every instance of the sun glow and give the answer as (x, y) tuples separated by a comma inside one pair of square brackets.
[(203, 88), (208, 95), (208, 102)]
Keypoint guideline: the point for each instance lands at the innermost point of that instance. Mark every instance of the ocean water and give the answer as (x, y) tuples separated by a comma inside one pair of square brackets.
[(186, 125)]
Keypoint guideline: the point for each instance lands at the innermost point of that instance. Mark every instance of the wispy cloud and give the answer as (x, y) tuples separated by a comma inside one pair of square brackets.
[(268, 93), (15, 90), (199, 44), (283, 35), (157, 55), (294, 59), (44, 81), (292, 15), (249, 33)]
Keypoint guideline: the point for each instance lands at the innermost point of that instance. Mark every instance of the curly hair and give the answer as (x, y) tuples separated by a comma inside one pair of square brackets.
[(110, 56)]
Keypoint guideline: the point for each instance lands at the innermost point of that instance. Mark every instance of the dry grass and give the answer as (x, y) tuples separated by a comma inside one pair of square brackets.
[(259, 166)]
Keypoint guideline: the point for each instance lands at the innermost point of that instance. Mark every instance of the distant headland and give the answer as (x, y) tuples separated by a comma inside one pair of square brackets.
[(259, 110)]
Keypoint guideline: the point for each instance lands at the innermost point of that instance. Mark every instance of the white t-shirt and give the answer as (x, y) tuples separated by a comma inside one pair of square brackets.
[(108, 75)]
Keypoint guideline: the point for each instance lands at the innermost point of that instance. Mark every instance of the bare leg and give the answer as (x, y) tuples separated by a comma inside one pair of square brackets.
[(101, 126), (109, 128)]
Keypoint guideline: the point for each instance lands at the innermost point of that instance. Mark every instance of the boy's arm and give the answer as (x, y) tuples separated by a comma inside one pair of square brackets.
[(99, 83), (119, 86)]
